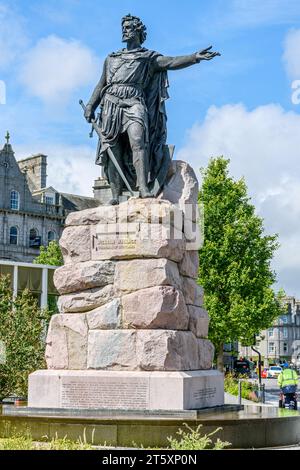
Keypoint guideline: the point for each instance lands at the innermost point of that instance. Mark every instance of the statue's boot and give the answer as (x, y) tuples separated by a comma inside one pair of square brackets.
[(116, 184), (116, 189), (141, 173), (145, 193)]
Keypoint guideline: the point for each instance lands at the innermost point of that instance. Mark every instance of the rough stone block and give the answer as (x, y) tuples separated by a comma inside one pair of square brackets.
[(112, 349), (148, 350), (66, 344), (189, 265), (145, 241), (75, 244), (107, 317), (143, 273), (161, 307), (85, 300), (182, 188), (134, 210), (199, 321), (92, 216), (193, 234), (167, 350), (80, 276), (206, 352), (193, 293)]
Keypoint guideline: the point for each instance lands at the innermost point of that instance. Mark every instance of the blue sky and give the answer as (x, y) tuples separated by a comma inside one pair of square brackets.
[(239, 104)]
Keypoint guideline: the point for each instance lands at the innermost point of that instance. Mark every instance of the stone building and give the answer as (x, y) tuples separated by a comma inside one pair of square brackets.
[(281, 341), (31, 214)]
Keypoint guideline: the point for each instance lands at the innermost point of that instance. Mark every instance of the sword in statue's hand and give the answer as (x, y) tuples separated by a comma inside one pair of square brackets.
[(110, 152)]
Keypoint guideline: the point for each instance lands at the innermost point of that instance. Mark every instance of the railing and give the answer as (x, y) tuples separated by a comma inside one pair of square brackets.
[(38, 208)]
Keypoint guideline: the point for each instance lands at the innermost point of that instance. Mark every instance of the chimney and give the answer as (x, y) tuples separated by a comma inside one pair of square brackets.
[(35, 168)]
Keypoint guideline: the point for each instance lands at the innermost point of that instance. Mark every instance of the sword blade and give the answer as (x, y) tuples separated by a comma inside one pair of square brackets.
[(120, 171), (110, 152)]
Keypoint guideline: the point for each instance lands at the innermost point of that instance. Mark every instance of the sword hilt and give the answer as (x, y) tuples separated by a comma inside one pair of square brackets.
[(84, 108)]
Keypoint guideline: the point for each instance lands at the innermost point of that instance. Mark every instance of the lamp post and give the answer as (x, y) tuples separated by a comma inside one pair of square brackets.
[(260, 388), (259, 364)]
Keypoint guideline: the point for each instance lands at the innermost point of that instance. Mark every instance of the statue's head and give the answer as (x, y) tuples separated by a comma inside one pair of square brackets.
[(132, 26)]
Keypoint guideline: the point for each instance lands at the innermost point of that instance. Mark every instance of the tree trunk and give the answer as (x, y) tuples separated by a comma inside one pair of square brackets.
[(220, 358)]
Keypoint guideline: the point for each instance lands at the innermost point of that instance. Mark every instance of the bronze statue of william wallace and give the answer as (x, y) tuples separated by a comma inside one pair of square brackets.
[(131, 93)]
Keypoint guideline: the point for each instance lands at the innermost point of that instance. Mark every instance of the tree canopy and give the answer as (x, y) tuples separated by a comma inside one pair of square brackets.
[(235, 260)]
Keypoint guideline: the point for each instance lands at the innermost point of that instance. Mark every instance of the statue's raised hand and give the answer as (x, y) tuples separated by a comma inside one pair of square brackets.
[(206, 54)]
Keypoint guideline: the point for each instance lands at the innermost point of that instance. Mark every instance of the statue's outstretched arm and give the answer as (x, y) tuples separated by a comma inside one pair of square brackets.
[(95, 99), (174, 63)]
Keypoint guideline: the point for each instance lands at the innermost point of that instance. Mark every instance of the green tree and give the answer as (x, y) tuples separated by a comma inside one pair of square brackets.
[(234, 261), (50, 255), (22, 331)]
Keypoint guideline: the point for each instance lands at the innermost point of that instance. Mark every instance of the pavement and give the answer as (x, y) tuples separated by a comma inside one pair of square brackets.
[(271, 395)]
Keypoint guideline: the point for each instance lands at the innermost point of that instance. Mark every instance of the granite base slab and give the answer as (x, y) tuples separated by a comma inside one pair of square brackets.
[(125, 390)]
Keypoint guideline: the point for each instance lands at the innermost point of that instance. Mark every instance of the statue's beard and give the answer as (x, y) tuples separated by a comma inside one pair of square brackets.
[(128, 36)]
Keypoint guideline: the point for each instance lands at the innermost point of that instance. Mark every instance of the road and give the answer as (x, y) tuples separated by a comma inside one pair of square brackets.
[(271, 385)]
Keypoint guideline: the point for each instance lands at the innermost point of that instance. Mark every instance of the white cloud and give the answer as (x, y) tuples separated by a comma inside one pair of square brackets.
[(264, 146), (71, 169), (13, 39), (291, 54), (55, 67)]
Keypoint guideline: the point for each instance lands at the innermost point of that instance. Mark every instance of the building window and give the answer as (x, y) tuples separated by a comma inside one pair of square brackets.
[(32, 234), (284, 318), (271, 348), (34, 239), (14, 200), (49, 200), (285, 332), (13, 236), (51, 236), (271, 332)]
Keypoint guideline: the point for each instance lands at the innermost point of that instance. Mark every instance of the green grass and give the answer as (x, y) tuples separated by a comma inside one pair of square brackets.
[(18, 441)]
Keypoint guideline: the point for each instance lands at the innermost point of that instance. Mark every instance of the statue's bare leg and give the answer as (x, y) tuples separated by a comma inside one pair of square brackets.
[(114, 178), (139, 156)]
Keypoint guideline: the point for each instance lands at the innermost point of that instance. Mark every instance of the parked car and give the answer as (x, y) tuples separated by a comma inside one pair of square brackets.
[(264, 373), (242, 367), (274, 371)]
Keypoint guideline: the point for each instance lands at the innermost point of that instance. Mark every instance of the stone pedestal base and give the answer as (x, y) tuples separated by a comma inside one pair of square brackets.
[(126, 390)]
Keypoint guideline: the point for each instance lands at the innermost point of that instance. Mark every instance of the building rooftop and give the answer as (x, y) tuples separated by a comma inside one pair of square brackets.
[(72, 202)]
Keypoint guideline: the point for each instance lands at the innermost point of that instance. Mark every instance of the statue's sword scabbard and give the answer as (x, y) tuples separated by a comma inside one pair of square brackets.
[(110, 152)]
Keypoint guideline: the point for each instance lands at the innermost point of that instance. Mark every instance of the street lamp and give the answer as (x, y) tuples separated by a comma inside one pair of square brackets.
[(259, 359)]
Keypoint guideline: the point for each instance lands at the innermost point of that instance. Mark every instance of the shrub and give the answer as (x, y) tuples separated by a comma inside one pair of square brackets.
[(192, 440), (231, 385)]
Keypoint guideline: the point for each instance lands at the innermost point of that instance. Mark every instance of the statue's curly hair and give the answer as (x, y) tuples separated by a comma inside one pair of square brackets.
[(138, 24)]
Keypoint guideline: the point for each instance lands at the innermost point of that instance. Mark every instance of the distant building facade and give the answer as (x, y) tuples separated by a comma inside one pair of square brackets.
[(281, 341), (31, 214)]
